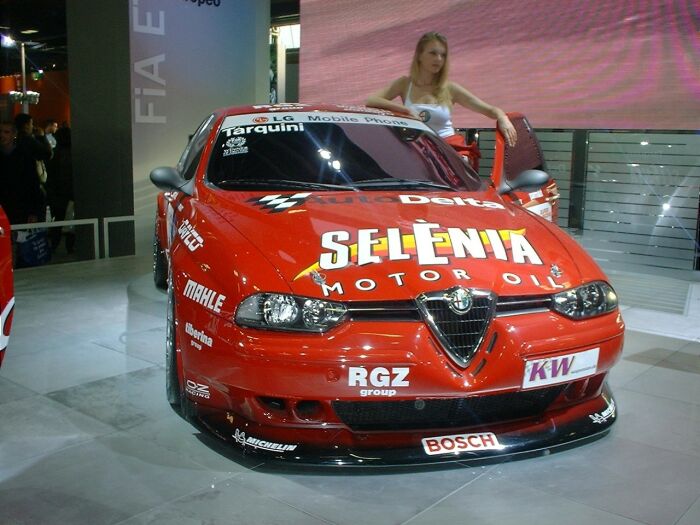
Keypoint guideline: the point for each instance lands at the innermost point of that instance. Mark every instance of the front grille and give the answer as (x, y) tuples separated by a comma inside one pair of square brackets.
[(459, 333), (445, 413)]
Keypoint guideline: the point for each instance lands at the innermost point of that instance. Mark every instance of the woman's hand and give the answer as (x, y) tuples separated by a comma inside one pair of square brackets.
[(508, 130)]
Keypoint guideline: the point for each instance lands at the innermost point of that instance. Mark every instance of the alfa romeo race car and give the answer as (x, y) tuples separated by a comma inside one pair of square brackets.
[(7, 299), (344, 289)]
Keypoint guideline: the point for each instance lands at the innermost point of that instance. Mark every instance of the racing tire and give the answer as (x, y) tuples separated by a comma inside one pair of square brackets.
[(160, 264), (173, 388)]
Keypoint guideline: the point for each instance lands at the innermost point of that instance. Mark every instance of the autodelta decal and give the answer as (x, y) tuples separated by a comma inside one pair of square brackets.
[(560, 369), (281, 202), (427, 244), (456, 443), (189, 236), (380, 380)]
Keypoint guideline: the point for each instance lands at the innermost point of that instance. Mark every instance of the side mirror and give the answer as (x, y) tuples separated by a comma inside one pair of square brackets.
[(169, 179), (525, 179)]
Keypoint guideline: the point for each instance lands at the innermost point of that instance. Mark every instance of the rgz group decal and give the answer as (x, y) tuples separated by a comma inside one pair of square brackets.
[(379, 378)]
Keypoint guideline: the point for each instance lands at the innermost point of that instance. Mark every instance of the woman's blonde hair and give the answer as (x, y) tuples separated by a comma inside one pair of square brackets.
[(440, 89)]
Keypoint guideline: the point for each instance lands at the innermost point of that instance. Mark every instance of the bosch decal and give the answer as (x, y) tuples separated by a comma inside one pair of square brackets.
[(457, 443)]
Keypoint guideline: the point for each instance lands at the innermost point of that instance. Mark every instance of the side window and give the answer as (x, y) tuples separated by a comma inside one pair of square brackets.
[(193, 152)]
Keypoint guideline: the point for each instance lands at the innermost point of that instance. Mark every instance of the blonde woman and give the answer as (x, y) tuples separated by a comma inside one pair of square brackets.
[(427, 93)]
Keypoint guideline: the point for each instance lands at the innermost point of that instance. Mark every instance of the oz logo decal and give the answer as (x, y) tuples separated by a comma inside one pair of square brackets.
[(197, 389)]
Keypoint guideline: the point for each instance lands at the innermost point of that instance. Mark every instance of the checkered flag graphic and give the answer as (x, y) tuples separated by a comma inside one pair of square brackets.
[(278, 203)]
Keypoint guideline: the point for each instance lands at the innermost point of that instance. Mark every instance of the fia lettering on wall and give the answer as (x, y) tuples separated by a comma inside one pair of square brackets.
[(146, 98)]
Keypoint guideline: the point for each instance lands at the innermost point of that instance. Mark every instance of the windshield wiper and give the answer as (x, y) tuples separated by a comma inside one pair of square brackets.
[(284, 183), (390, 182)]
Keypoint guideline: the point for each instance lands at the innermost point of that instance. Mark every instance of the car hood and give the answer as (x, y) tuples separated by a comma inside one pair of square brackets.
[(392, 246)]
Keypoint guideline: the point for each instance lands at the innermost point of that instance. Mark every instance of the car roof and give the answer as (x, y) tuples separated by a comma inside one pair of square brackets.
[(297, 107)]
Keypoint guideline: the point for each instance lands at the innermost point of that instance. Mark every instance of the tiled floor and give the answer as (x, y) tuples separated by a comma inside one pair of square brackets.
[(86, 435)]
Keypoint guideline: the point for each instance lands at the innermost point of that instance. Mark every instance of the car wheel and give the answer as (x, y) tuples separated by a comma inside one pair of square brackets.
[(173, 389), (160, 264)]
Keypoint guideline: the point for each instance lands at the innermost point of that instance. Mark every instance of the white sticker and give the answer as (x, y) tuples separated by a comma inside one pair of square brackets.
[(560, 369), (457, 443)]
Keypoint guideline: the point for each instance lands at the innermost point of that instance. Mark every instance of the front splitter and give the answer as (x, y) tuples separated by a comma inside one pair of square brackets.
[(430, 446)]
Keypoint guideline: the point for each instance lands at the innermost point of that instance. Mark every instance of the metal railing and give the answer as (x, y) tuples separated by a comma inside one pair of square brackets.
[(95, 223)]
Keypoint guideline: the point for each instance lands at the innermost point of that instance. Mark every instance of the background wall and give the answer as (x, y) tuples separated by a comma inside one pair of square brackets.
[(100, 114), (134, 102), (186, 60), (602, 64)]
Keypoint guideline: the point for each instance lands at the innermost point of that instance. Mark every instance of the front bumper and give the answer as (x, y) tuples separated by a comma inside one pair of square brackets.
[(554, 429)]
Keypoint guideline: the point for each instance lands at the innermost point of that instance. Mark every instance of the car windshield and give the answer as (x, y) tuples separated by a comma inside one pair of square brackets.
[(332, 151)]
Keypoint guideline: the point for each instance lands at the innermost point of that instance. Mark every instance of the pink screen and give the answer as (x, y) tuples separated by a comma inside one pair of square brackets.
[(564, 64)]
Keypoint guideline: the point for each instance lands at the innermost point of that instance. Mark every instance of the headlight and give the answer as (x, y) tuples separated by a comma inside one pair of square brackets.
[(588, 300), (288, 312)]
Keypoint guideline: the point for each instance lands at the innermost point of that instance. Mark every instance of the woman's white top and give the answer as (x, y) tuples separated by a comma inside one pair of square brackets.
[(437, 116)]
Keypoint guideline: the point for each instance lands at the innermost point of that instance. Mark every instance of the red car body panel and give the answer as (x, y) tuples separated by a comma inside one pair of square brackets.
[(7, 299), (319, 397)]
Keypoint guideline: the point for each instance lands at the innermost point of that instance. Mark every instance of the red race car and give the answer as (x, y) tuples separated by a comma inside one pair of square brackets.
[(7, 299), (344, 289)]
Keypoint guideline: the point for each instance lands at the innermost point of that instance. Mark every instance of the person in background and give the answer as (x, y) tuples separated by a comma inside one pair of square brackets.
[(20, 191), (427, 93), (50, 127), (60, 187)]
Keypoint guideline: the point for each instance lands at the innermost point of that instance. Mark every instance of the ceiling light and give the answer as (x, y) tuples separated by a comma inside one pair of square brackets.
[(29, 31), (8, 41)]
